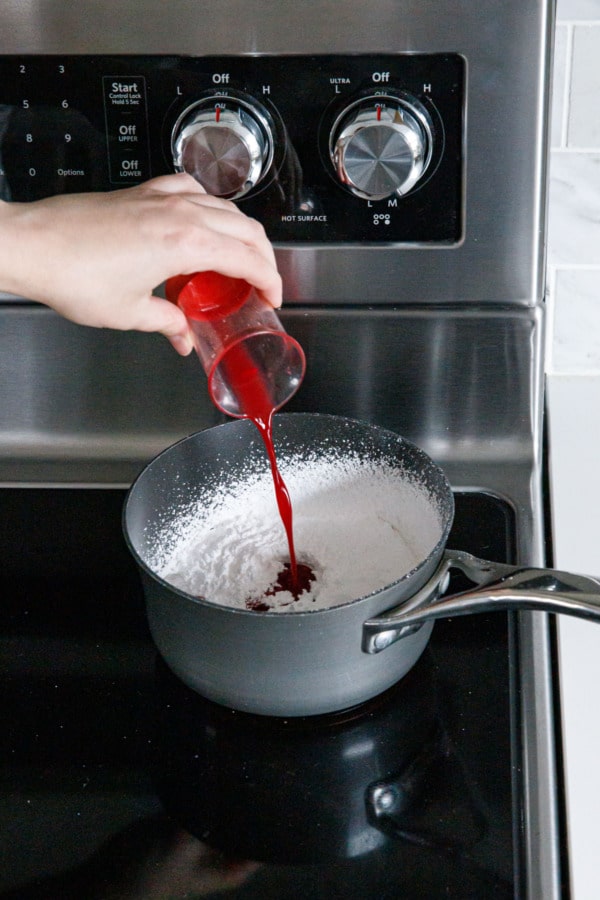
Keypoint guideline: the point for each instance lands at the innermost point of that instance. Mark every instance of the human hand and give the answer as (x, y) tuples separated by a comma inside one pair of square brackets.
[(97, 258)]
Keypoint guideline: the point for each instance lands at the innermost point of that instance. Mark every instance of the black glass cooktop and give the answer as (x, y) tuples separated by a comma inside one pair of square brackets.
[(119, 782)]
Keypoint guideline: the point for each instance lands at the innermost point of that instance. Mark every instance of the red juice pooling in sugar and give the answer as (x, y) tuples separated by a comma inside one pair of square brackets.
[(304, 578), (237, 367)]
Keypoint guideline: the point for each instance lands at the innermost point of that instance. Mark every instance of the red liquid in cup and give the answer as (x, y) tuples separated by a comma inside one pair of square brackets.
[(210, 296)]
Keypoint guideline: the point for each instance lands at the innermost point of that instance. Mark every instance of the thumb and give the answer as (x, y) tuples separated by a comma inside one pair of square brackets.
[(182, 343), (168, 319)]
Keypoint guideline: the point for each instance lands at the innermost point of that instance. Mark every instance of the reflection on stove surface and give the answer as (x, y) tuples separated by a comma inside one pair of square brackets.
[(119, 782), (319, 789)]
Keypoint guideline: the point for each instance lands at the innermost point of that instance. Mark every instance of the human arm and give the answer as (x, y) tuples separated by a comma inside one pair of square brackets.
[(97, 258)]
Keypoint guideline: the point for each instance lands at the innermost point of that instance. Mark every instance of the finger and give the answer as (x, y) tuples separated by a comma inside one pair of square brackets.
[(159, 315), (239, 260), (223, 232), (225, 215), (183, 345), (175, 184), (220, 220)]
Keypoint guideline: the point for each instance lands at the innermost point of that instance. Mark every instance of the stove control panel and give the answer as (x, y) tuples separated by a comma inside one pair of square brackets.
[(320, 149)]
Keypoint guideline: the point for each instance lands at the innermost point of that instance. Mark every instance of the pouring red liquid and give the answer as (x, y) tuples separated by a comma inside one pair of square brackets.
[(253, 368), (248, 383)]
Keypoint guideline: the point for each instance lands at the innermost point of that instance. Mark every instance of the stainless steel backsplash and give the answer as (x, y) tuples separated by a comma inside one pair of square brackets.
[(82, 405)]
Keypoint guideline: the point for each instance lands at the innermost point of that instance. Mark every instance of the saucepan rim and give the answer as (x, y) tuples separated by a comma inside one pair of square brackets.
[(445, 505)]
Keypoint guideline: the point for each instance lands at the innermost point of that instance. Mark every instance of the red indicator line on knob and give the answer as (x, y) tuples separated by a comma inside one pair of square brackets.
[(378, 108), (217, 114)]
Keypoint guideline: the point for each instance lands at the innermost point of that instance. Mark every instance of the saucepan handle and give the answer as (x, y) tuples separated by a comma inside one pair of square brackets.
[(498, 586)]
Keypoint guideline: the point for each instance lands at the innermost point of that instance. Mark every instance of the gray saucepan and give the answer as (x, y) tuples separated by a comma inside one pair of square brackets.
[(322, 660)]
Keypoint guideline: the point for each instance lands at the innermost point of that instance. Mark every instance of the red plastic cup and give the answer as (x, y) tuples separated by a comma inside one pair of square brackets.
[(252, 364)]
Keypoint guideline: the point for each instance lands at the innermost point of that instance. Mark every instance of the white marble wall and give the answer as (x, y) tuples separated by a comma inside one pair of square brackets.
[(573, 287)]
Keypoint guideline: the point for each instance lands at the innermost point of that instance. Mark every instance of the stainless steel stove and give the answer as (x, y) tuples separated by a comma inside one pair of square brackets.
[(414, 282)]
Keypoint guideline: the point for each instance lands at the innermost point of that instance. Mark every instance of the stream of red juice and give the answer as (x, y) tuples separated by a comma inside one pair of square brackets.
[(249, 385)]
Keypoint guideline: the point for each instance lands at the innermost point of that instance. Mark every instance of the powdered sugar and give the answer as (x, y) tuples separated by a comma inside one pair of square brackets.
[(358, 525)]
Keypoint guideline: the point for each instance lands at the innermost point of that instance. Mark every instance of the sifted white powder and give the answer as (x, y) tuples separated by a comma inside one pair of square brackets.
[(360, 526)]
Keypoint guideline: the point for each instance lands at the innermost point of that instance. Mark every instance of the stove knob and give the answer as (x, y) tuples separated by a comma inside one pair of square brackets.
[(225, 143), (381, 145)]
